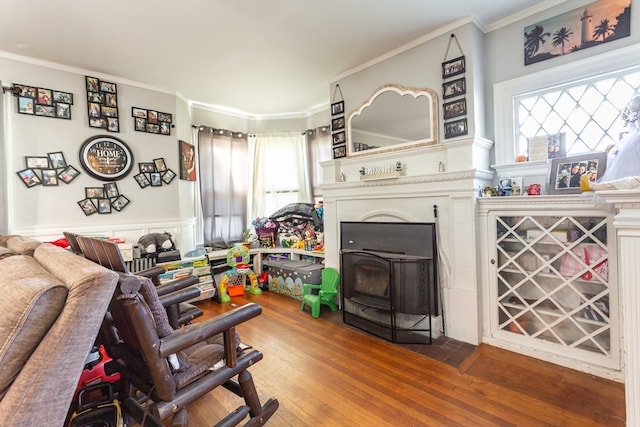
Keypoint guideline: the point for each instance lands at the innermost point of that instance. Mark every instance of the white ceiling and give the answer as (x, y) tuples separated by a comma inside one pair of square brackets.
[(257, 57)]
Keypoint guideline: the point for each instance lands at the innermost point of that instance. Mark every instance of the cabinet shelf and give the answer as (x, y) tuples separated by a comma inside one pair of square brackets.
[(553, 313), (531, 273)]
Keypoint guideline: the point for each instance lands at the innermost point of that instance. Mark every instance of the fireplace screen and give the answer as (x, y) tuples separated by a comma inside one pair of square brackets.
[(385, 290)]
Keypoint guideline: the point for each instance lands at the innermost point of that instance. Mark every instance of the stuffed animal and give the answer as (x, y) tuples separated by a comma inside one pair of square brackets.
[(155, 242)]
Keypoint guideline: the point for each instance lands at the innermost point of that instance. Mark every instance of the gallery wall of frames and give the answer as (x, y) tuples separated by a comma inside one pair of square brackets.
[(102, 157)]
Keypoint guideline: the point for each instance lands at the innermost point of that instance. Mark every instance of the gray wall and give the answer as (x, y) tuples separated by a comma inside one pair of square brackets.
[(504, 57)]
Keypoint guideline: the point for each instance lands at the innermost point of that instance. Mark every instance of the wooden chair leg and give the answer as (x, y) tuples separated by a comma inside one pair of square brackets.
[(249, 392)]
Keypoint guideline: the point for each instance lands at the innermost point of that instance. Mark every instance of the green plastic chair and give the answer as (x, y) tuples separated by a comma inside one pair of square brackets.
[(328, 290)]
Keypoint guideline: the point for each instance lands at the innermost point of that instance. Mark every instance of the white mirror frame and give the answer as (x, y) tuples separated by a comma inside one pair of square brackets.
[(431, 139)]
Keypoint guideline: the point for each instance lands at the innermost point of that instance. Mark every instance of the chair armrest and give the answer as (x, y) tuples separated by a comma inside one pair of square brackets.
[(196, 332), (152, 273), (179, 296), (177, 284), (306, 287)]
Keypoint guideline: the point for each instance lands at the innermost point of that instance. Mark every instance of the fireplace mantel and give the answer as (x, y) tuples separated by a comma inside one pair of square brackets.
[(448, 176)]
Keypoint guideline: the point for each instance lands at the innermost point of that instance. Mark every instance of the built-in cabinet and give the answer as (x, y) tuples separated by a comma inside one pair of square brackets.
[(551, 289)]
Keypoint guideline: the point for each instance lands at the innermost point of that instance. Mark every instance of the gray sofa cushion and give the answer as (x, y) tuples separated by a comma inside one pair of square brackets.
[(31, 301)]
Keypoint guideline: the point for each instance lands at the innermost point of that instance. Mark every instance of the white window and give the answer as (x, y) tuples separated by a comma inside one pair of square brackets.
[(587, 112), (582, 99)]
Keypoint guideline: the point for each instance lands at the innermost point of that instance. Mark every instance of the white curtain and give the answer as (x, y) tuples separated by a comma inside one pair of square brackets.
[(223, 166), (281, 175)]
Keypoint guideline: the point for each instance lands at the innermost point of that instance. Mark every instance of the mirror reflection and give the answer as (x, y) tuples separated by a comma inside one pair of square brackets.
[(394, 117)]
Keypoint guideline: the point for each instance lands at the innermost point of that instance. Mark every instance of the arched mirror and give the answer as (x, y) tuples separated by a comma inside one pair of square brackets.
[(393, 118)]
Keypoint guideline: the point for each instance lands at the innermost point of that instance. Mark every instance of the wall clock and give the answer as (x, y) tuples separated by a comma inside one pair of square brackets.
[(106, 158)]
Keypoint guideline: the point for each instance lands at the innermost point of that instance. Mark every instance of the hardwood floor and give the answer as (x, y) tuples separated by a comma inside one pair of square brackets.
[(325, 373)]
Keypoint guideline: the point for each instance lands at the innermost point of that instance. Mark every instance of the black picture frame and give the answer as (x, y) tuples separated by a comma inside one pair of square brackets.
[(156, 179), (62, 97), (56, 160), (119, 203), (140, 124), (68, 174), (152, 121), (340, 151), (142, 180), (454, 88), (102, 104), (160, 164), (337, 123), (29, 177), (337, 108), (49, 177), (168, 176), (456, 128), (106, 158), (453, 67), (94, 192), (111, 190), (26, 105), (87, 206), (147, 167), (37, 162), (454, 108), (44, 102), (104, 206), (339, 138), (139, 112), (562, 179)]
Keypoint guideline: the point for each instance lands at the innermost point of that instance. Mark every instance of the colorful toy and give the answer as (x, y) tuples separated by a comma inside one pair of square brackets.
[(233, 281)]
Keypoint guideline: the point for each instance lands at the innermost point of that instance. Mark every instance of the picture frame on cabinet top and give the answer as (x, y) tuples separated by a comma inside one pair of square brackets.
[(565, 173)]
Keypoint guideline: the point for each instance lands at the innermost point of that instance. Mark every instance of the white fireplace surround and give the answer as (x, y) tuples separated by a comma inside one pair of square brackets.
[(449, 176)]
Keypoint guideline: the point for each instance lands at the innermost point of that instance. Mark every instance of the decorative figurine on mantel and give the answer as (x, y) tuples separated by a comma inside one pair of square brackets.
[(623, 160)]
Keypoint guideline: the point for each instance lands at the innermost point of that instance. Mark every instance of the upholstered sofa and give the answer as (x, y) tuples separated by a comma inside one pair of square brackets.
[(52, 303)]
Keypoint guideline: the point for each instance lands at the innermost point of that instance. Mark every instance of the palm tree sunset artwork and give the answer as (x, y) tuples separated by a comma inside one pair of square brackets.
[(591, 25)]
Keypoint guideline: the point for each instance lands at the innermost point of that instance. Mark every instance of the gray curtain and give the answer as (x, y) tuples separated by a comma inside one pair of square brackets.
[(223, 163), (3, 158), (319, 149)]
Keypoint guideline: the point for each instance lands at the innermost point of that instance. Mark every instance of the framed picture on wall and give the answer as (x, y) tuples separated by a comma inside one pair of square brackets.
[(453, 67), (337, 108), (454, 88), (455, 128), (455, 108), (68, 174), (102, 104), (142, 180), (87, 207), (37, 162), (49, 177), (168, 176), (119, 203), (187, 154), (339, 152), (339, 138), (56, 160), (337, 123), (29, 177)]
